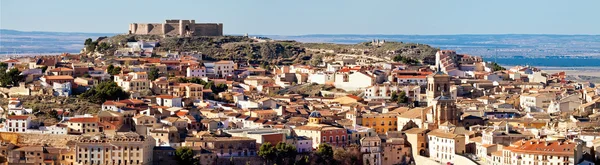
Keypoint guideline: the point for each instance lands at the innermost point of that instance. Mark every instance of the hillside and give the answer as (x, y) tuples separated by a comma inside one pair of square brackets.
[(421, 52), (238, 48), (244, 49)]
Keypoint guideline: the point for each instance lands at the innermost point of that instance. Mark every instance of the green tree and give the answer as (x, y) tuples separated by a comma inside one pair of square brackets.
[(219, 88), (153, 73), (103, 46), (91, 47), (324, 154), (496, 67), (10, 78), (88, 41), (112, 70), (185, 155), (406, 60), (394, 96), (197, 81), (282, 153), (53, 114), (286, 153), (402, 98), (267, 152), (305, 160), (104, 91)]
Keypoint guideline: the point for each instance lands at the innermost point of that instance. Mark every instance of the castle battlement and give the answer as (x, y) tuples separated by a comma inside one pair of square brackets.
[(175, 27)]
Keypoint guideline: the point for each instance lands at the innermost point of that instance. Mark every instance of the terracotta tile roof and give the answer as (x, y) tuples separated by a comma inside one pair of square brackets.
[(543, 147), (442, 134), (354, 97), (165, 96), (83, 120), (18, 117), (412, 114), (182, 113), (61, 69), (64, 77), (132, 101), (113, 103), (224, 62), (11, 60), (415, 131)]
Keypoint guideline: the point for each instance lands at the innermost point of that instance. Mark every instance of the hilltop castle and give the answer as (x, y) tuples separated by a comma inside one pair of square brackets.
[(177, 28)]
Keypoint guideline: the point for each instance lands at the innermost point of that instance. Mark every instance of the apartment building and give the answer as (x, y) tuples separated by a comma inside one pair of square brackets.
[(126, 148)]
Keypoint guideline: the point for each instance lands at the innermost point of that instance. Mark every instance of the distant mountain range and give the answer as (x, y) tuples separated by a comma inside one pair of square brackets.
[(24, 42)]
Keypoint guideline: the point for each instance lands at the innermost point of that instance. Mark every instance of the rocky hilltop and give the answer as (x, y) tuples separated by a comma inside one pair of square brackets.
[(272, 52)]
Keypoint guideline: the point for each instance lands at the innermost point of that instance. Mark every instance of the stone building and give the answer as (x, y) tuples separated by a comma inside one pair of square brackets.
[(444, 110), (128, 148), (322, 133), (225, 147), (40, 155), (177, 28), (396, 151), (437, 84)]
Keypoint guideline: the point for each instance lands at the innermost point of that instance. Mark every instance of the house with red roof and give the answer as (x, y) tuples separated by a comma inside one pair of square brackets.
[(11, 63), (169, 101), (17, 123), (84, 125)]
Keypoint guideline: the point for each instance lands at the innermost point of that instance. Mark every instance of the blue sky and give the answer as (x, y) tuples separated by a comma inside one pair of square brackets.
[(280, 17)]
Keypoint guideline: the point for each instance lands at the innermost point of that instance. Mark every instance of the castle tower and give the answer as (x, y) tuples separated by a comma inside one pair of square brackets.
[(315, 118), (436, 83), (445, 110)]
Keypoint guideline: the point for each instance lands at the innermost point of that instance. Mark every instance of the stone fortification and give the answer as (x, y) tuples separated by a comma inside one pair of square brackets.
[(177, 28)]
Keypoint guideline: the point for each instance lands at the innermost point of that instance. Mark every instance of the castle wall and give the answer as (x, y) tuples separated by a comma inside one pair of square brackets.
[(141, 29), (155, 29), (208, 29), (171, 29), (177, 28)]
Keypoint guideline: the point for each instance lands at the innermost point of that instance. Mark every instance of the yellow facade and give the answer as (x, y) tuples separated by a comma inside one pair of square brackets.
[(381, 123)]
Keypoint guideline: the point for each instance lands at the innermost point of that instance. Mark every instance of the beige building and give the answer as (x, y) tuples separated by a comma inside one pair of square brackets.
[(444, 146), (40, 155), (134, 81), (437, 84), (225, 146), (84, 125), (371, 149), (128, 148), (262, 114), (417, 138), (188, 90), (536, 102), (395, 151), (223, 68), (165, 135), (550, 152), (256, 81), (60, 72)]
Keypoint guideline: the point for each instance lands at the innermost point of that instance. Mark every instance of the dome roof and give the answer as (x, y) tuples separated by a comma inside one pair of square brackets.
[(315, 114)]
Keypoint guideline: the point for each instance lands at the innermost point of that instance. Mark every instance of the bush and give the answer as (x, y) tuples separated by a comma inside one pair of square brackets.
[(104, 91)]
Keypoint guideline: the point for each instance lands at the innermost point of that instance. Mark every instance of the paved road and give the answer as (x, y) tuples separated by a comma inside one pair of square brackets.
[(419, 160)]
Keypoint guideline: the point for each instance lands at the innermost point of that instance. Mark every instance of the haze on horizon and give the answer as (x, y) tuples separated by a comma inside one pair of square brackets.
[(271, 17)]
